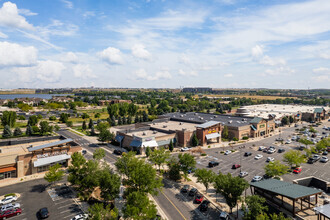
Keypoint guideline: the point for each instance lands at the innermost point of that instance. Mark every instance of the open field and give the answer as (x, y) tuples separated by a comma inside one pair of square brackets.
[(253, 97)]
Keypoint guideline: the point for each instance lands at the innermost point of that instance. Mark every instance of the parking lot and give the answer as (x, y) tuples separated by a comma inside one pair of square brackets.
[(33, 196)]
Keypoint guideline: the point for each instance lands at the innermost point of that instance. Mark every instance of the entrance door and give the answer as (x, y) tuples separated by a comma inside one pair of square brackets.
[(7, 175)]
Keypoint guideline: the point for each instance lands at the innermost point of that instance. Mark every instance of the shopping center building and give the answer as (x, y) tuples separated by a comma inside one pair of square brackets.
[(27, 156)]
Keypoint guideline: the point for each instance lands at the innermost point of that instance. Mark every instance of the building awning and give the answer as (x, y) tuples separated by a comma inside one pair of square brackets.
[(135, 143), (119, 138), (253, 127), (323, 210), (7, 169), (49, 160), (166, 142), (152, 143), (211, 136)]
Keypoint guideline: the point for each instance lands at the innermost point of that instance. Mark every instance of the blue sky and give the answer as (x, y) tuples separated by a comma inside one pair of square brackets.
[(165, 43)]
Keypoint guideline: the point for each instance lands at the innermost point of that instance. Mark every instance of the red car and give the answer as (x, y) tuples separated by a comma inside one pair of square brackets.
[(297, 170), (10, 213), (235, 166), (199, 198)]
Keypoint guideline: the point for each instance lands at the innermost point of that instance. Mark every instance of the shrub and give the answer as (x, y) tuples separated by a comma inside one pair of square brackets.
[(222, 152), (233, 151), (52, 118), (277, 178), (235, 139), (10, 194), (245, 138), (209, 146), (203, 154)]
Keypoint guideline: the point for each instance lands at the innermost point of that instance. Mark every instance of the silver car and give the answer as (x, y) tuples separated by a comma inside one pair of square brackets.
[(8, 199), (10, 206), (324, 159)]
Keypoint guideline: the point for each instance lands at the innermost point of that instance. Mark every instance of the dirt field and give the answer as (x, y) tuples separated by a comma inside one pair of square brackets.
[(253, 97)]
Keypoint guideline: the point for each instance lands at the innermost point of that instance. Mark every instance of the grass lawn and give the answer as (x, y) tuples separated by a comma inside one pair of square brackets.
[(17, 125)]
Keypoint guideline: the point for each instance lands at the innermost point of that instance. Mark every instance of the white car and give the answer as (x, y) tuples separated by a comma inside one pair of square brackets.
[(261, 148), (258, 156), (227, 152), (184, 149), (80, 217), (270, 159), (257, 178), (243, 174), (324, 159), (288, 142), (8, 199), (271, 150), (10, 206)]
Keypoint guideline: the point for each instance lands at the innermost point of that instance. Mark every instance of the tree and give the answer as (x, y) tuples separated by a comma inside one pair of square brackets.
[(129, 119), (57, 128), (159, 156), (256, 206), (113, 110), (84, 116), (230, 187), (120, 121), (17, 132), (132, 109), (75, 175), (7, 132), (174, 171), (145, 116), (44, 127), (171, 146), (123, 109), (33, 120), (322, 145), (8, 118), (186, 162), (139, 207), (99, 212), (97, 115), (64, 117), (285, 120), (109, 184), (105, 136), (69, 123), (29, 131), (294, 157), (52, 118), (205, 177), (275, 168), (99, 154), (84, 127), (90, 124), (305, 142), (54, 174), (93, 131), (311, 129), (136, 120), (148, 151), (291, 120), (225, 132), (194, 141)]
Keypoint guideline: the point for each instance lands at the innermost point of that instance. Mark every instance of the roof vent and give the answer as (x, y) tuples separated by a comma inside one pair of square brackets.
[(164, 126), (201, 118), (144, 133), (215, 116), (211, 118), (181, 116), (229, 122), (196, 113), (181, 123), (154, 132)]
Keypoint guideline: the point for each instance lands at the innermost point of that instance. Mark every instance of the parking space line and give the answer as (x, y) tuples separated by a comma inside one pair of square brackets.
[(65, 206)]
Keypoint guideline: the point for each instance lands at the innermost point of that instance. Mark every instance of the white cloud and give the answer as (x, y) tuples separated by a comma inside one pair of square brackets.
[(141, 74), (111, 55), (46, 71), (321, 78), (266, 60), (12, 54), (187, 73), (139, 51), (2, 35), (184, 59), (26, 12), (89, 14), (70, 57), (322, 70), (68, 4), (257, 51), (284, 71), (9, 17), (83, 71), (325, 56), (229, 75)]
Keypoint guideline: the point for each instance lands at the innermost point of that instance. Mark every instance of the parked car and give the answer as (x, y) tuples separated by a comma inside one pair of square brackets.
[(184, 149), (118, 152), (213, 163), (84, 152), (235, 166), (256, 178), (246, 154), (311, 160), (325, 153), (204, 206), (288, 142), (270, 159), (261, 148), (324, 159), (43, 213), (10, 206), (224, 216), (297, 170), (8, 199), (193, 192), (271, 150), (316, 157), (199, 198), (185, 188), (302, 147), (10, 213), (258, 156), (80, 217), (243, 174), (281, 150), (227, 152), (279, 139)]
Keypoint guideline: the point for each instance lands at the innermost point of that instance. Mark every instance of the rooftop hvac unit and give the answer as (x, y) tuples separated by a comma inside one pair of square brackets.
[(181, 116), (215, 116), (164, 126), (144, 133), (181, 123), (154, 132), (0, 151), (201, 118), (196, 113), (211, 118), (229, 122)]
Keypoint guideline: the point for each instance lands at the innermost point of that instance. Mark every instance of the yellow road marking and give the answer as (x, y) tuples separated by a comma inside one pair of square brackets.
[(174, 205)]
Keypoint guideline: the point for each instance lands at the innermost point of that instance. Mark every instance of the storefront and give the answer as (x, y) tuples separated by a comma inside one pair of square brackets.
[(8, 172)]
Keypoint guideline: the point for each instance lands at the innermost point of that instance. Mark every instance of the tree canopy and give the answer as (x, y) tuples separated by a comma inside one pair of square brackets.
[(294, 157)]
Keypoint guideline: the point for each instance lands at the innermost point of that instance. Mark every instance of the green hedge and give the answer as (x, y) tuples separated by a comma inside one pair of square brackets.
[(10, 194)]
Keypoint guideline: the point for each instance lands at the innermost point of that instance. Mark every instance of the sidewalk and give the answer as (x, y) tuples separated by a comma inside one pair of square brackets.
[(12, 181)]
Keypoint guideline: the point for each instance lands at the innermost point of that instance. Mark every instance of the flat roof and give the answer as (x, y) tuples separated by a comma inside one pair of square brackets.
[(208, 124), (200, 118), (146, 133), (324, 210), (174, 125), (52, 144), (286, 189)]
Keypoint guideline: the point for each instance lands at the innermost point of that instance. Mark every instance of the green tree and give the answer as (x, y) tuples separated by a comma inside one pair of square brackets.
[(123, 109), (305, 142), (69, 123), (21, 117), (64, 117), (171, 146), (54, 174), (97, 115), (106, 136), (311, 129), (7, 132), (145, 116), (17, 132), (90, 124), (8, 118), (102, 126), (275, 168), (323, 144), (33, 120), (44, 127), (186, 162), (294, 157), (84, 116), (89, 178), (113, 110), (159, 156), (225, 132), (52, 118), (230, 187), (205, 177), (29, 131), (174, 171), (109, 184), (93, 133), (57, 128), (75, 175), (291, 120), (148, 151), (256, 206), (99, 212), (139, 207), (194, 140), (24, 107), (84, 127), (99, 154), (285, 120), (132, 109)]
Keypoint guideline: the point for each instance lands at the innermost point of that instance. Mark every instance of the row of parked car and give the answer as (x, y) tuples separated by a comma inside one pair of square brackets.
[(9, 208), (199, 199)]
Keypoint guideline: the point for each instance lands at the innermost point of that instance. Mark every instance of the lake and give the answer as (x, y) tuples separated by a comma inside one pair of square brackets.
[(43, 96)]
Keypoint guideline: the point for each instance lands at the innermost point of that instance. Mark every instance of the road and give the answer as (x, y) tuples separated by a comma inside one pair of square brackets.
[(167, 199)]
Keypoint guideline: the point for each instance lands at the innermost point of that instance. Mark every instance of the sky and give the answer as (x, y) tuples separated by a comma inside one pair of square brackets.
[(165, 43)]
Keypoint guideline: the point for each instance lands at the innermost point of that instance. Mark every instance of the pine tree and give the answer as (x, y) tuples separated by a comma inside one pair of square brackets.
[(90, 124), (29, 131), (194, 141), (129, 119), (7, 132), (93, 131), (148, 151), (84, 126), (17, 132), (171, 146), (136, 120), (120, 122)]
